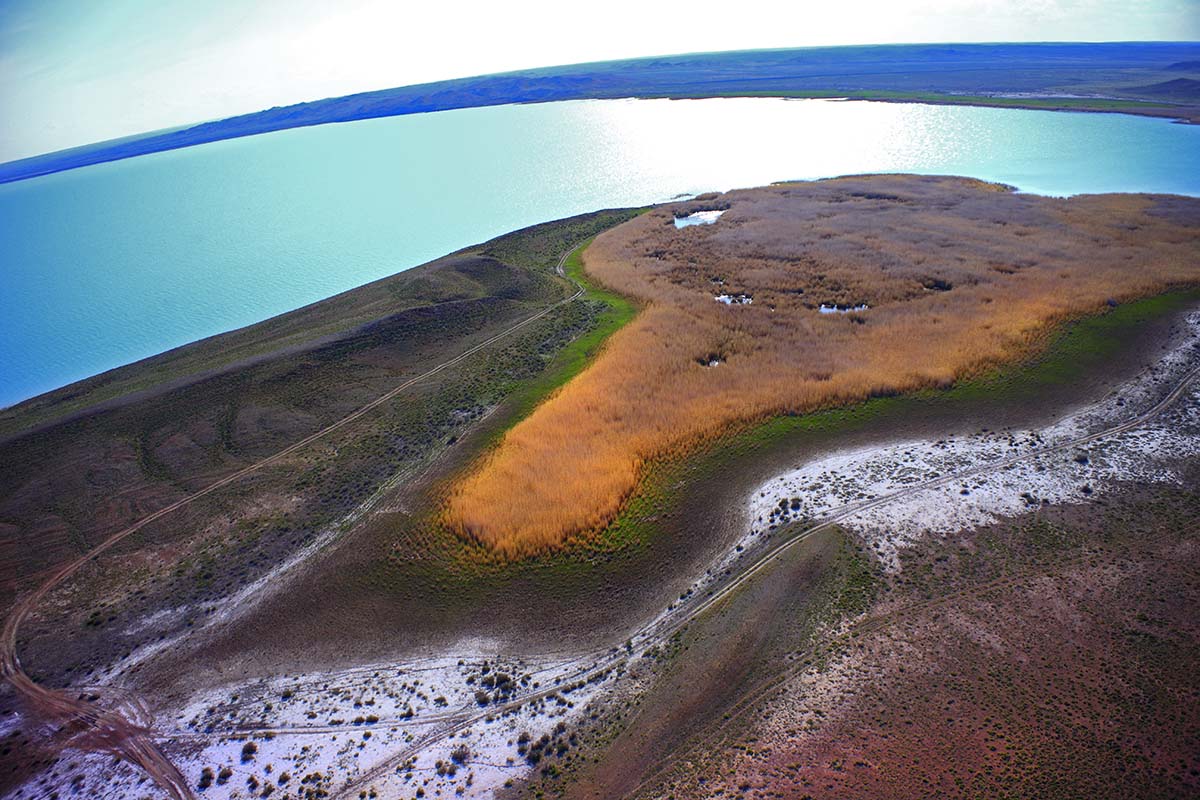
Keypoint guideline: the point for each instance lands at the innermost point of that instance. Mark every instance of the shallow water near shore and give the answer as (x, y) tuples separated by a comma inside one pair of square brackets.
[(698, 218), (115, 262)]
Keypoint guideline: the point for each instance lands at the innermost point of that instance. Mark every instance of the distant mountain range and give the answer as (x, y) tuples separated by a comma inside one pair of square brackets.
[(1145, 77)]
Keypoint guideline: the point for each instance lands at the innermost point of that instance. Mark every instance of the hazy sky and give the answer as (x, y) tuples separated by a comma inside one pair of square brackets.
[(79, 71)]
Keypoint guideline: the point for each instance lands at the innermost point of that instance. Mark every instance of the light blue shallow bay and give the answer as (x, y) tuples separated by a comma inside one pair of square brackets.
[(108, 264)]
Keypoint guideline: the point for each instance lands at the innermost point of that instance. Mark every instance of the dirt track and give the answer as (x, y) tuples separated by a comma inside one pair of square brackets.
[(108, 729), (661, 630), (112, 731)]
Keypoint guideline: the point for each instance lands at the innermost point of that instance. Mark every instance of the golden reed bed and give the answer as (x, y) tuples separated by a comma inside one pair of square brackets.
[(958, 275)]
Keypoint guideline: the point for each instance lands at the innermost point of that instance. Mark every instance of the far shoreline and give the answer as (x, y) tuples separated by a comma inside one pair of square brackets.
[(1166, 113), (937, 78)]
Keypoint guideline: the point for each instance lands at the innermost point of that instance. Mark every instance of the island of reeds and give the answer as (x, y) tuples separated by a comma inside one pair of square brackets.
[(805, 296)]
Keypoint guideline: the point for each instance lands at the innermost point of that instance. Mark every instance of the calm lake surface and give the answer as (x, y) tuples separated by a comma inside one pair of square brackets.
[(111, 263)]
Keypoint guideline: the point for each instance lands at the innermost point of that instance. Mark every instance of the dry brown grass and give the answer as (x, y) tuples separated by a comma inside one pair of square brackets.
[(959, 275)]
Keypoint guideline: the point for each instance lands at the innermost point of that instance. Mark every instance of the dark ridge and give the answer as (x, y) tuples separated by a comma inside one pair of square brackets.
[(1176, 89)]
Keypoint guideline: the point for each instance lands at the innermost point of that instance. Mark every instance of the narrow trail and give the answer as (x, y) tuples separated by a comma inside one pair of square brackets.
[(109, 730), (751, 700), (662, 629)]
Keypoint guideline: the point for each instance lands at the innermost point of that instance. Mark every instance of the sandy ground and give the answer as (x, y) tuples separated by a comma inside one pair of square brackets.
[(326, 730), (814, 489), (415, 725)]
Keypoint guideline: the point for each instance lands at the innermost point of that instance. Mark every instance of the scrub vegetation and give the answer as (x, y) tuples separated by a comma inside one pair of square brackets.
[(957, 276), (994, 664), (88, 460), (308, 679)]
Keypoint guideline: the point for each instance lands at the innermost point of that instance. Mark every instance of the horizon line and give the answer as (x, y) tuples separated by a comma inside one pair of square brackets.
[(571, 65)]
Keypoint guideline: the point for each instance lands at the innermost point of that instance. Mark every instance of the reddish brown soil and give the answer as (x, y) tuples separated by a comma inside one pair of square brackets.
[(1039, 677), (717, 661)]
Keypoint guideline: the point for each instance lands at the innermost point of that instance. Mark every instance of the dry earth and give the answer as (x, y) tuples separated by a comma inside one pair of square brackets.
[(1092, 639), (409, 717), (1031, 633)]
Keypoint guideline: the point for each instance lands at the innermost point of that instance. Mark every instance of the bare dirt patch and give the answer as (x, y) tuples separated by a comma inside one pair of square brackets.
[(1045, 656), (1008, 613)]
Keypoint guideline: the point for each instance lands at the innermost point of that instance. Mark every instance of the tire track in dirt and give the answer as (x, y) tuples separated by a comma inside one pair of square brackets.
[(659, 631), (876, 622), (108, 729), (871, 624)]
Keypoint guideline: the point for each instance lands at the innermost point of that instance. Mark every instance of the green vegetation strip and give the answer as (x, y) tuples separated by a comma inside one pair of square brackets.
[(465, 572), (1076, 349), (1073, 351), (613, 311)]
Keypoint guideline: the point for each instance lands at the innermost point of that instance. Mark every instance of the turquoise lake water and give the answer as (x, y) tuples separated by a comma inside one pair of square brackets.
[(111, 263)]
